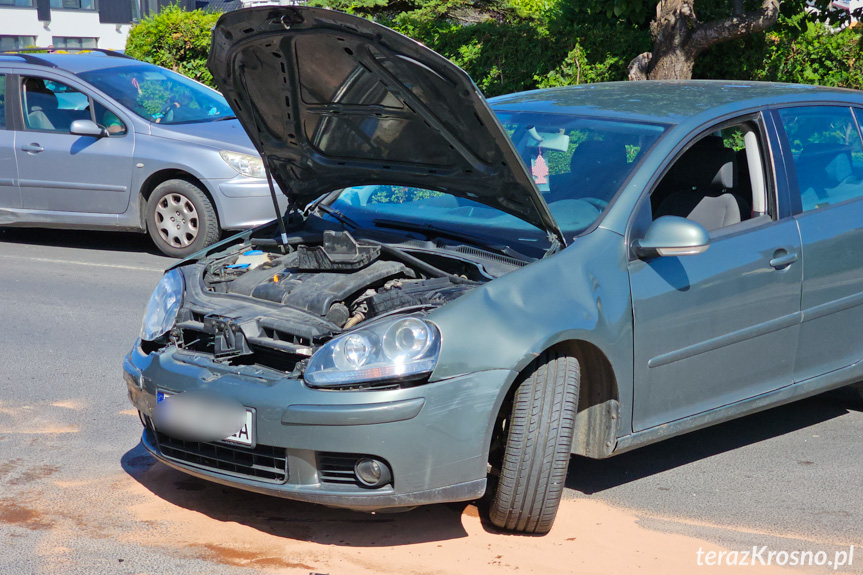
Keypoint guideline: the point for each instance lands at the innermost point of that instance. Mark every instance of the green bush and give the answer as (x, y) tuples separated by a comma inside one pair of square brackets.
[(175, 39)]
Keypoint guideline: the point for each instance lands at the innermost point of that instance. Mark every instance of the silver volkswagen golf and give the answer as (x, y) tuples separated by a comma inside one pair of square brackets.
[(464, 293), (103, 141)]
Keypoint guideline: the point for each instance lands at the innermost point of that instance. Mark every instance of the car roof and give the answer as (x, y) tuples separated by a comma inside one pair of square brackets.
[(75, 63), (667, 101)]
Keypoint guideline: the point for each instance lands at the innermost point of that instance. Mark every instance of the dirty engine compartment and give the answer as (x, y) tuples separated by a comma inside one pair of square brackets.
[(261, 305)]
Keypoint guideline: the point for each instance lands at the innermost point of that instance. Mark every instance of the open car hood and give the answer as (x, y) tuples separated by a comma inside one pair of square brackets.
[(331, 100)]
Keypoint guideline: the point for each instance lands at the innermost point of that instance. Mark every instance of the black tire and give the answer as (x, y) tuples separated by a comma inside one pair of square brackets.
[(538, 440), (196, 225)]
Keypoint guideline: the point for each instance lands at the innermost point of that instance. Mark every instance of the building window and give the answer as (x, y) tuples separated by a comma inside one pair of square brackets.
[(17, 3), (70, 43), (73, 4), (16, 42)]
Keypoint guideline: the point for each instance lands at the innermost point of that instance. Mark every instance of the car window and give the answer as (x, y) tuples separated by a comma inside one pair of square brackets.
[(2, 100), (719, 181), (108, 120), (578, 164), (159, 95), (51, 106), (827, 154)]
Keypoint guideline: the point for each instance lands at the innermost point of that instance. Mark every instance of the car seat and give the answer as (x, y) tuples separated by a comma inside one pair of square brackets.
[(700, 184)]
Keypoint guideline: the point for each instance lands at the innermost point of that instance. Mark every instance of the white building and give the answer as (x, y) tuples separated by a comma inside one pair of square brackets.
[(72, 23)]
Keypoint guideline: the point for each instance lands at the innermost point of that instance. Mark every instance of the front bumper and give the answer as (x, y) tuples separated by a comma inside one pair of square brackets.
[(434, 437), (244, 202)]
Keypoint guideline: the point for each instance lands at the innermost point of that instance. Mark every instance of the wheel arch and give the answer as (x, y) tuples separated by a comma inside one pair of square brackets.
[(161, 176), (597, 418)]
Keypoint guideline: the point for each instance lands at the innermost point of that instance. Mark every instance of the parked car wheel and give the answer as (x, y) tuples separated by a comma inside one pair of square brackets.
[(181, 219), (536, 449)]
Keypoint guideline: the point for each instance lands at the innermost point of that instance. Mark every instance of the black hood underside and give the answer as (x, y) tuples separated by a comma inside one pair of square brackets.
[(332, 100)]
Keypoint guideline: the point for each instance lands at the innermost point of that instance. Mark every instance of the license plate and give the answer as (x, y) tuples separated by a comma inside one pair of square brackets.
[(246, 434)]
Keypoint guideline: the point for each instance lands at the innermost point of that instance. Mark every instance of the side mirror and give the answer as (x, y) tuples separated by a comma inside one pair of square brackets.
[(87, 128), (672, 236)]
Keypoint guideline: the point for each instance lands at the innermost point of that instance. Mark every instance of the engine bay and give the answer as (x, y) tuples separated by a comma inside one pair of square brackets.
[(261, 304)]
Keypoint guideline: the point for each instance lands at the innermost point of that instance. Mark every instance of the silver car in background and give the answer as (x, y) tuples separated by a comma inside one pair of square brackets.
[(103, 141)]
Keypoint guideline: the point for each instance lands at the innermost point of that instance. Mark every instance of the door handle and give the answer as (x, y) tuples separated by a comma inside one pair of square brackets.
[(782, 259), (33, 148)]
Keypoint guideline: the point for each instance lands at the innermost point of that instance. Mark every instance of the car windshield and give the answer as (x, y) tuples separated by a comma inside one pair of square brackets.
[(159, 95), (577, 162)]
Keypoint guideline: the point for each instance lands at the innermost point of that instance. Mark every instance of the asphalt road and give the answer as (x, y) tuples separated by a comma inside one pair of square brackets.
[(79, 495)]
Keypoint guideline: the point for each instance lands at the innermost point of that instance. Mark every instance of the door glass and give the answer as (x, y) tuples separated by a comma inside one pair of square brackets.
[(50, 106), (713, 183), (108, 120), (827, 154), (2, 101)]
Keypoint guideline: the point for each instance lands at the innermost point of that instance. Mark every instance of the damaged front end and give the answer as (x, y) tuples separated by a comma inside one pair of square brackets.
[(252, 308)]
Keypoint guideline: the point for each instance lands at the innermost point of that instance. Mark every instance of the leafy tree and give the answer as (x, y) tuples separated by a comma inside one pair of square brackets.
[(681, 30)]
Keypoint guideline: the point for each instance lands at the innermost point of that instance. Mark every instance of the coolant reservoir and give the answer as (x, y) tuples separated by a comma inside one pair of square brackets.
[(251, 259)]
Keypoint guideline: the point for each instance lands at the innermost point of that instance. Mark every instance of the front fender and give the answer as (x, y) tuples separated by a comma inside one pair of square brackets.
[(581, 293)]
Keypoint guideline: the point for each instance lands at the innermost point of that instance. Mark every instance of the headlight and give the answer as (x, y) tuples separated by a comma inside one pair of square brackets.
[(163, 306), (387, 350), (251, 166)]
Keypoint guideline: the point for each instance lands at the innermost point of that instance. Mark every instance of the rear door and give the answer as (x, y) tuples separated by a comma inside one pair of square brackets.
[(60, 171), (9, 196), (826, 153)]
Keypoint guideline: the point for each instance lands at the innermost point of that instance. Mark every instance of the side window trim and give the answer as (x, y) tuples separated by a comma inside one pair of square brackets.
[(788, 203), (5, 111)]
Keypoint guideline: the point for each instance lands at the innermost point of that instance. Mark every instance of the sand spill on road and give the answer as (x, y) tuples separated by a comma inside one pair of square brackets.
[(170, 513), (229, 526), (76, 404), (187, 518)]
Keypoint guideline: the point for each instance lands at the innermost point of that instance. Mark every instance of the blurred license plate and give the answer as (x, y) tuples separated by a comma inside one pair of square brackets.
[(246, 435)]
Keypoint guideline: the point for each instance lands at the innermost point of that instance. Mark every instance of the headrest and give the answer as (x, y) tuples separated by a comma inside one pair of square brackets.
[(706, 165)]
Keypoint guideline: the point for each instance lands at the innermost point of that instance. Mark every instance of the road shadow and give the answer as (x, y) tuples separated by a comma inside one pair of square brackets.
[(295, 520), (591, 476), (89, 240)]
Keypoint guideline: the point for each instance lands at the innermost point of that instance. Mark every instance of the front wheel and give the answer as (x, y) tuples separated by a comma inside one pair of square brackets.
[(181, 219), (537, 439)]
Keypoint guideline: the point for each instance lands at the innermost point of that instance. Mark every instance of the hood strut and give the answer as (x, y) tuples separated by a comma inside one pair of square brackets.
[(279, 218), (266, 159)]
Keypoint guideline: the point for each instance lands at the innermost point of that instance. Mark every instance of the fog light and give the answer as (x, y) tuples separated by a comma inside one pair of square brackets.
[(372, 473)]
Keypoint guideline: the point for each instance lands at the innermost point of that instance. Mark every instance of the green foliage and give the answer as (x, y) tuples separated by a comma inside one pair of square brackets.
[(401, 195), (796, 50), (175, 39), (514, 45)]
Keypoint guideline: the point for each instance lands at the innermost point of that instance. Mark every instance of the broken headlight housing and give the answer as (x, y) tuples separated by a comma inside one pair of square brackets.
[(398, 349), (163, 306)]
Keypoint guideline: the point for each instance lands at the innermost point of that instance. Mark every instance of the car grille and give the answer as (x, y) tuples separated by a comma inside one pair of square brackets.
[(263, 463), (338, 468)]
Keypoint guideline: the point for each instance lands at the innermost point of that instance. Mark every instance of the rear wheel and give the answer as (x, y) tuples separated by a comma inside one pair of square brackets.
[(181, 219), (535, 438)]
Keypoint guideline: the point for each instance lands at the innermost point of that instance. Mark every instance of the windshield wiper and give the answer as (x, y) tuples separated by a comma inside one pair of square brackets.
[(432, 231), (343, 219)]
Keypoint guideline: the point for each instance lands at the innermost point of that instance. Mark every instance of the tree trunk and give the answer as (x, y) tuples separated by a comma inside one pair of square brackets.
[(679, 37)]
